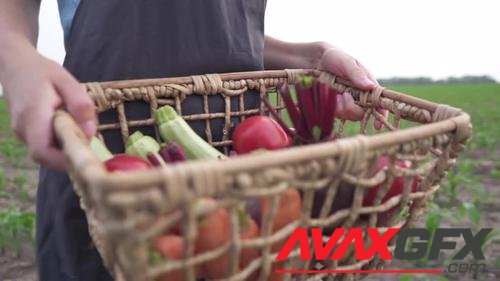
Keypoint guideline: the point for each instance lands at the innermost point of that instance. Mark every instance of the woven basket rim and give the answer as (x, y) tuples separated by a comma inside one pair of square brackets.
[(93, 172), (148, 82)]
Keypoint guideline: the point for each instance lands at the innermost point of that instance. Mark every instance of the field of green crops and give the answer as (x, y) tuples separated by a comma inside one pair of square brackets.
[(470, 195), (468, 198), (481, 101)]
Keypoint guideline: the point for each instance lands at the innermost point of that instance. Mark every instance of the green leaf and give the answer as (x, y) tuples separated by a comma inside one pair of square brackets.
[(473, 212), (3, 178), (443, 278), (433, 220), (155, 258), (405, 277), (15, 228), (492, 236), (496, 173)]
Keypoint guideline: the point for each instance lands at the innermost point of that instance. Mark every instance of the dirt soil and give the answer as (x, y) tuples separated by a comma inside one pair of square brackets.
[(22, 267), (490, 217), (19, 266)]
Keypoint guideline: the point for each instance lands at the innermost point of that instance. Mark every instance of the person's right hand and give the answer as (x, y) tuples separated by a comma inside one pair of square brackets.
[(35, 87)]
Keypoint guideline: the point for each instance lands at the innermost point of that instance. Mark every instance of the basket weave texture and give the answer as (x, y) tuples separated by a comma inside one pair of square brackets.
[(126, 211)]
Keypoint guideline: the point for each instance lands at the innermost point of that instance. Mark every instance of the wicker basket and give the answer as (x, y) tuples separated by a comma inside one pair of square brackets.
[(118, 206)]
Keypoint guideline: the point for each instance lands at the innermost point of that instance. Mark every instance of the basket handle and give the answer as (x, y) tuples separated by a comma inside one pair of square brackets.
[(71, 138)]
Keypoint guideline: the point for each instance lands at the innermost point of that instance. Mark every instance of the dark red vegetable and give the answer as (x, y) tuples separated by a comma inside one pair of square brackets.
[(307, 104), (123, 162), (173, 152), (327, 102), (395, 189), (345, 192), (259, 132), (313, 116), (155, 160), (293, 112)]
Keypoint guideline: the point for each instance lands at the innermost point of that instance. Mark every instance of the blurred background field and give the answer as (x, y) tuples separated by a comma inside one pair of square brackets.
[(470, 197)]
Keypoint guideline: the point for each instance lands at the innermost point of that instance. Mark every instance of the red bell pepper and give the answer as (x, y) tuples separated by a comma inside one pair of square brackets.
[(259, 132)]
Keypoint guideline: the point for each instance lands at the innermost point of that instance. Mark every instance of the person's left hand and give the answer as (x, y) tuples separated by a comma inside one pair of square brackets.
[(344, 65)]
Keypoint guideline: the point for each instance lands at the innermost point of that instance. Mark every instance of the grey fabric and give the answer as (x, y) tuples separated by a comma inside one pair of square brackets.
[(130, 39), (116, 39), (64, 248)]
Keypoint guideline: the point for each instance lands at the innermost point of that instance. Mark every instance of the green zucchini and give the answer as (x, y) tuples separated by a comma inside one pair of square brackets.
[(100, 149), (175, 129), (140, 145)]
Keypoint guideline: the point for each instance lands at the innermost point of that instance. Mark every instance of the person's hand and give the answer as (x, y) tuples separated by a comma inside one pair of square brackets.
[(342, 64), (35, 87)]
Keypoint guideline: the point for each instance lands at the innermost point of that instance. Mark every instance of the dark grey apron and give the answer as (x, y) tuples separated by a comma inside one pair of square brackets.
[(131, 39)]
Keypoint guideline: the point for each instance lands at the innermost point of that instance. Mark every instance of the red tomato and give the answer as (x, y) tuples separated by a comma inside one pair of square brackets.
[(395, 189), (124, 162), (259, 132), (170, 247)]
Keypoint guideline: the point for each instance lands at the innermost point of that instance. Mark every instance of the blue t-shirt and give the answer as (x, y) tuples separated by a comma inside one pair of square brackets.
[(67, 9)]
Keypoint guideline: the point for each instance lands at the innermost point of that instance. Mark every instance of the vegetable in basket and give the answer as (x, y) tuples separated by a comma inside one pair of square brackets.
[(313, 119), (396, 188), (313, 116), (345, 192), (172, 153), (173, 128), (120, 162), (100, 149), (140, 145), (171, 247), (215, 231), (259, 132), (289, 210), (123, 162), (145, 147)]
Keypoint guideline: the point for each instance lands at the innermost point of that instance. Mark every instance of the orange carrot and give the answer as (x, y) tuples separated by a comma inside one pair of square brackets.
[(215, 231), (289, 210), (250, 231)]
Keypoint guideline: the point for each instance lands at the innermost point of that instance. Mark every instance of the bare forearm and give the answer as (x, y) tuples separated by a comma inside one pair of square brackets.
[(18, 29), (279, 54)]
